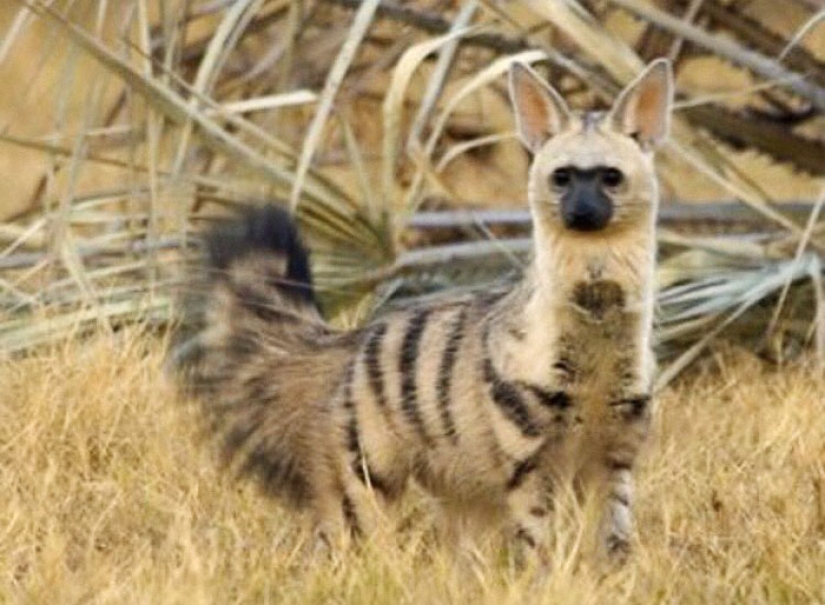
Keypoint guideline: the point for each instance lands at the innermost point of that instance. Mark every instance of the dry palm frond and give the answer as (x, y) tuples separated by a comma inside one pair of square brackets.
[(366, 116), (766, 67)]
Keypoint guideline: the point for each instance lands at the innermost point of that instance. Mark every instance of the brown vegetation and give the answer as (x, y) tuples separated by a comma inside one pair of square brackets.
[(131, 125)]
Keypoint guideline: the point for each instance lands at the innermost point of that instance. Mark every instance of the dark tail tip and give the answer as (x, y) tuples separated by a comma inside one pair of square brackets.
[(266, 230)]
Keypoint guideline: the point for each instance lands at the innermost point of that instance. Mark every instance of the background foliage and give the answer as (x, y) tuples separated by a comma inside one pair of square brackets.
[(127, 125)]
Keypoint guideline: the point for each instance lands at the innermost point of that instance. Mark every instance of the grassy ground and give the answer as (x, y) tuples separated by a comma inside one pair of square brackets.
[(109, 498)]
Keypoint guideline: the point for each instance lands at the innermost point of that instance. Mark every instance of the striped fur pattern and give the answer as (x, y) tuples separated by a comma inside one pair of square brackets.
[(487, 401)]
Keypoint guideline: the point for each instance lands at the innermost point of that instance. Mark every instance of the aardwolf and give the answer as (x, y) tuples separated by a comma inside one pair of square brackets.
[(486, 401)]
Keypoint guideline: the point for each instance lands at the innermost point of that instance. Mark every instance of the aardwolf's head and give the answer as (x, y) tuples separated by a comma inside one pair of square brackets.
[(592, 172)]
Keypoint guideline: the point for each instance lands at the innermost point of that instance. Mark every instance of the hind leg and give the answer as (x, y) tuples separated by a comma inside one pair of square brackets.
[(345, 510)]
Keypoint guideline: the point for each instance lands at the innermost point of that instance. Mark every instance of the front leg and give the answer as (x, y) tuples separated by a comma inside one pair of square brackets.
[(528, 506), (617, 518), (630, 427)]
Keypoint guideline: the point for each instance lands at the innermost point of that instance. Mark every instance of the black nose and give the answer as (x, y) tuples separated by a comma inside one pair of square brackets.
[(587, 214), (585, 206)]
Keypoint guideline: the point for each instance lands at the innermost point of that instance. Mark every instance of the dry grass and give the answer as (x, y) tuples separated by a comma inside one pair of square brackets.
[(136, 122), (108, 498)]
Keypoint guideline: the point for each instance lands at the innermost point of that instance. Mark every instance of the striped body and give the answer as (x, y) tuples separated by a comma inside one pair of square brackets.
[(486, 402)]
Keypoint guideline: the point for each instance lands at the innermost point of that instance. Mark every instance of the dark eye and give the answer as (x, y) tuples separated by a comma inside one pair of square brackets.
[(561, 177), (612, 177)]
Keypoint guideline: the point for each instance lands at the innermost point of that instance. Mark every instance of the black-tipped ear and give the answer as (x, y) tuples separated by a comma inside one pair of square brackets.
[(643, 108), (540, 111)]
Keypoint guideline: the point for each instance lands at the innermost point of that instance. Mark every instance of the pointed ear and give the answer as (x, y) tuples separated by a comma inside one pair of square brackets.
[(540, 111), (643, 109)]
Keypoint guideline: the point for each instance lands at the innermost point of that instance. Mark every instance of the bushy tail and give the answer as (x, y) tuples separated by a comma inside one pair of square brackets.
[(261, 360), (253, 266), (268, 238)]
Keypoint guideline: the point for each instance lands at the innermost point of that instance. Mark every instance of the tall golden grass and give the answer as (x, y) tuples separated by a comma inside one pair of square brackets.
[(109, 497)]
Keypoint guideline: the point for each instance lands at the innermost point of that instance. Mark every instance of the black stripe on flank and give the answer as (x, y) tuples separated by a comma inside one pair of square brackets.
[(372, 360), (351, 517), (354, 442), (508, 398), (368, 477), (558, 400), (360, 465), (520, 473), (407, 367), (445, 375), (353, 438)]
